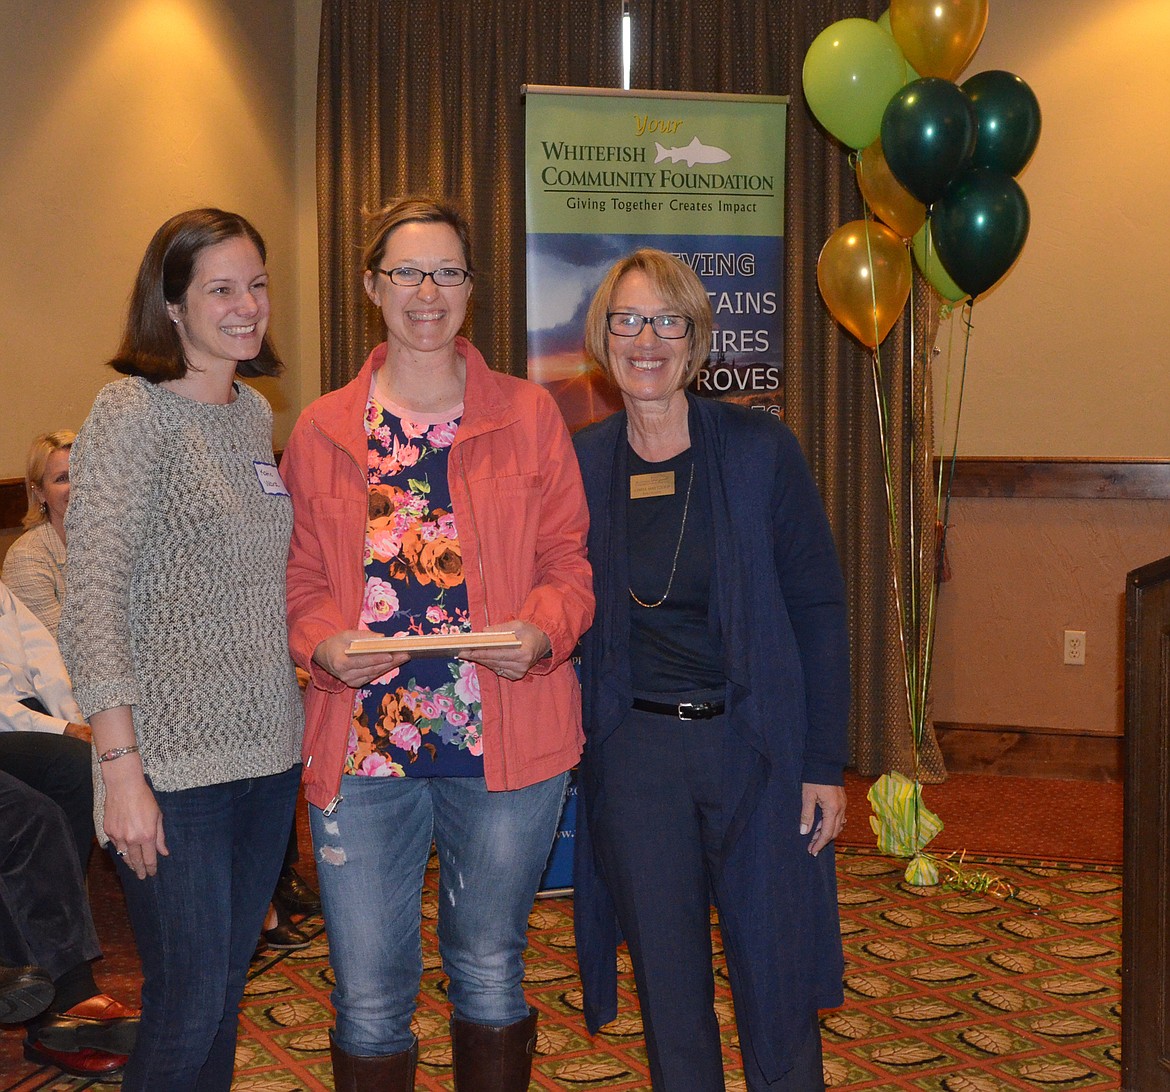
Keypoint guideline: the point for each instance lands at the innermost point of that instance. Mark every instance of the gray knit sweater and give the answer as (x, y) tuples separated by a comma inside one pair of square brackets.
[(175, 587)]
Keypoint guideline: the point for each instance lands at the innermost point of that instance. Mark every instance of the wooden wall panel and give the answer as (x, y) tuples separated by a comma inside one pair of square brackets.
[(1086, 479), (1145, 966)]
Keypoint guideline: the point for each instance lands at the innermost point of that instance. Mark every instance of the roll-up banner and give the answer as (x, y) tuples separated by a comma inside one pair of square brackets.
[(700, 176)]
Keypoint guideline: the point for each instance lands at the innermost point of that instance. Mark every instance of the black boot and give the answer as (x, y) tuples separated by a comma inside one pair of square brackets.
[(373, 1073), (489, 1059)]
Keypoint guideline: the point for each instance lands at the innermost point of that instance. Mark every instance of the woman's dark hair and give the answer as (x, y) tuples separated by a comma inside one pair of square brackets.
[(412, 210), (150, 344)]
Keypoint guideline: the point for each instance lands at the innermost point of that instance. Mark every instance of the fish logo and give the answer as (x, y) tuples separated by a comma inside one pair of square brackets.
[(695, 152)]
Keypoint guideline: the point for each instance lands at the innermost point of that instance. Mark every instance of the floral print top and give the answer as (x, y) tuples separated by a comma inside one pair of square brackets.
[(423, 719)]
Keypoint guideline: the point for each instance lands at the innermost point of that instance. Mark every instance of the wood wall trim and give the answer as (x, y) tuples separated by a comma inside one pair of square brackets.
[(1030, 729), (1021, 751), (1084, 479), (1078, 479)]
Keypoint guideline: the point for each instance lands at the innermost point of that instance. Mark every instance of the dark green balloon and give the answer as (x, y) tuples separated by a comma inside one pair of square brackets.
[(1007, 118), (979, 226), (928, 135)]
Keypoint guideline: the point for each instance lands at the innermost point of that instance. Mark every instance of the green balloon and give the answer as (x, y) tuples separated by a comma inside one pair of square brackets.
[(851, 70), (1007, 117), (928, 134), (979, 225), (931, 267)]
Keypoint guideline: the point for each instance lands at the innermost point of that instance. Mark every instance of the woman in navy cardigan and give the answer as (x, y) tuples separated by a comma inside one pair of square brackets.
[(716, 690)]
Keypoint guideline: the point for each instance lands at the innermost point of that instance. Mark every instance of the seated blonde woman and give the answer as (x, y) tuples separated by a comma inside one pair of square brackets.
[(34, 568)]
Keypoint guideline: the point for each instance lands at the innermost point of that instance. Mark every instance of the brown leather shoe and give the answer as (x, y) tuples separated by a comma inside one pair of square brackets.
[(370, 1073), (487, 1059), (284, 936), (293, 894), (98, 1023), (77, 1063)]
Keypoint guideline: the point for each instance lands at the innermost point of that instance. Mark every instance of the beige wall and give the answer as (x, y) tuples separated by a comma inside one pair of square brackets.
[(1070, 356), (116, 114), (1022, 573)]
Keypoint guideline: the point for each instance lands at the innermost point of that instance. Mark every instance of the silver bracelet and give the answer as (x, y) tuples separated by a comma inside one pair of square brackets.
[(118, 752)]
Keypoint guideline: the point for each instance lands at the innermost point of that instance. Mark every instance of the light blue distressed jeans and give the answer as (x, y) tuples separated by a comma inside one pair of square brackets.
[(371, 854)]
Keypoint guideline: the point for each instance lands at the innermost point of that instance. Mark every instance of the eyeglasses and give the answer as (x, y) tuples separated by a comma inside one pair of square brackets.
[(628, 324), (409, 277)]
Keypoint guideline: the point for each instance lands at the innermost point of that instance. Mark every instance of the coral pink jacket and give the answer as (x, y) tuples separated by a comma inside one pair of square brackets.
[(520, 510)]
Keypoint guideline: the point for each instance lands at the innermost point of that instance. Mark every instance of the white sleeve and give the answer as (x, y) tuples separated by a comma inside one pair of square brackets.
[(31, 667)]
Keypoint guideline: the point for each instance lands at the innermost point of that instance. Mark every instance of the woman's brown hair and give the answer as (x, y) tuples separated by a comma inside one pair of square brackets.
[(150, 344)]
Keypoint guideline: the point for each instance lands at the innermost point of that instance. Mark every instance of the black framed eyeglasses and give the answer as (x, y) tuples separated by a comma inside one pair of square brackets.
[(629, 324), (407, 276)]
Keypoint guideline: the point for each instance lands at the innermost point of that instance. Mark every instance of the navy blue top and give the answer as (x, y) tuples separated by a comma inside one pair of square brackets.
[(673, 648)]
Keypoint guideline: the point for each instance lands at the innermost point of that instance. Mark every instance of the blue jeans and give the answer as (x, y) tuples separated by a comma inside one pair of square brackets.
[(371, 854), (196, 923)]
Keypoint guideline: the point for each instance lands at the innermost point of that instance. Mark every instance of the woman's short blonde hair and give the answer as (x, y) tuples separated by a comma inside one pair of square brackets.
[(680, 288), (34, 470)]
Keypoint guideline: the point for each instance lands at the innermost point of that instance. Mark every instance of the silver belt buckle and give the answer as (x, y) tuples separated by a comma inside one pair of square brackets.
[(688, 710)]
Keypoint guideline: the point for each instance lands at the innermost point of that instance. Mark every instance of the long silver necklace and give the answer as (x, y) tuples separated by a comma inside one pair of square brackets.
[(677, 549)]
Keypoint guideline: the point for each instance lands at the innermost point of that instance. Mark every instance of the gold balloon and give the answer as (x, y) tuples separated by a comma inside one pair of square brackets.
[(864, 273), (885, 194), (938, 37)]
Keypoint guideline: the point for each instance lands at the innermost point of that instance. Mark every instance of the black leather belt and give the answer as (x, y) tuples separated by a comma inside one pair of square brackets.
[(688, 710)]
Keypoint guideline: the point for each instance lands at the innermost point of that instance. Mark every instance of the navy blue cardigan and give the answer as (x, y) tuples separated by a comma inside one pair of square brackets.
[(779, 602)]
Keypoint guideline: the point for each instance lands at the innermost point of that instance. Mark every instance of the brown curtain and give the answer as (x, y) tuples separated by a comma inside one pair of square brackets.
[(758, 47), (425, 98)]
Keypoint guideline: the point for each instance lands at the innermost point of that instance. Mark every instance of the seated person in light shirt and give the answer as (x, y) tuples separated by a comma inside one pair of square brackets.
[(44, 740), (34, 567)]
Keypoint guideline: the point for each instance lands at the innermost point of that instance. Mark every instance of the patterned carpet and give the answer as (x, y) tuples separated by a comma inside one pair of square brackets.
[(959, 992)]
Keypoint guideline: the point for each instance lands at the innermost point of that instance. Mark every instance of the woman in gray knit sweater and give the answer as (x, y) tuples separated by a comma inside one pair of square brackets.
[(174, 634)]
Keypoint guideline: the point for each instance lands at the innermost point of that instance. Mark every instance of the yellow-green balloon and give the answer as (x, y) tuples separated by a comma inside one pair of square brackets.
[(931, 266), (851, 71)]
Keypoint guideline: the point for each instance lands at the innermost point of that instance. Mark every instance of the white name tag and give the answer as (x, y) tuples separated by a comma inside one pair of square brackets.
[(270, 480)]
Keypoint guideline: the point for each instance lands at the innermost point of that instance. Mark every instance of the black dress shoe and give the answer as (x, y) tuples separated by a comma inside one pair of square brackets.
[(99, 1023), (25, 992), (294, 896), (286, 937)]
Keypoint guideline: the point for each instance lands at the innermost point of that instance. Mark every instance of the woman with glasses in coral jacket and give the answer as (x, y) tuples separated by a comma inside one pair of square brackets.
[(434, 496)]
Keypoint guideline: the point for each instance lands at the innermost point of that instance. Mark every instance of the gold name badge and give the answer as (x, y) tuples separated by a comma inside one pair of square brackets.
[(652, 485)]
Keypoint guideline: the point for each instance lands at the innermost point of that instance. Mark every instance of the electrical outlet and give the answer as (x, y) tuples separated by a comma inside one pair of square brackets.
[(1074, 647)]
